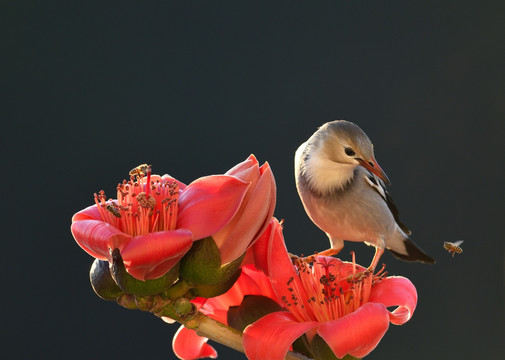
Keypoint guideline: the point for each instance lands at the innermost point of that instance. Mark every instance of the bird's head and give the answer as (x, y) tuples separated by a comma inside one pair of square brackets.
[(344, 142)]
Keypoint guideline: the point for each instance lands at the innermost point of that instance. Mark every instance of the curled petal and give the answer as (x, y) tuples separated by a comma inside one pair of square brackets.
[(270, 337), (209, 203), (89, 213), (151, 255), (97, 237), (281, 271), (251, 220), (357, 333), (187, 345), (396, 291), (243, 169)]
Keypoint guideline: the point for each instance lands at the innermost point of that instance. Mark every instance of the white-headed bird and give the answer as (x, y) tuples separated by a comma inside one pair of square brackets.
[(342, 188)]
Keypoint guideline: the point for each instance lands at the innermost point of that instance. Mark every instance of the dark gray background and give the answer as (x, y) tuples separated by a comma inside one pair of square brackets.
[(91, 90)]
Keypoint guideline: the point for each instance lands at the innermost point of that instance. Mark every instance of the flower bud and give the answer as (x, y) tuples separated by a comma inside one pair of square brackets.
[(183, 307), (137, 287), (202, 264), (102, 282)]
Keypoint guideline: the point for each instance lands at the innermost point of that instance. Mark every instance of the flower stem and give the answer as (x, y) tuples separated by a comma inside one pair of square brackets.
[(195, 320), (225, 335)]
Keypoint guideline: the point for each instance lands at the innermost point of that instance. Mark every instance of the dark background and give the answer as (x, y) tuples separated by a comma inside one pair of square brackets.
[(90, 90)]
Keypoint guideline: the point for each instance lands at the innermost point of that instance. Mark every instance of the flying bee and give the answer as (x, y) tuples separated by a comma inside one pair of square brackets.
[(140, 170), (454, 247), (113, 209)]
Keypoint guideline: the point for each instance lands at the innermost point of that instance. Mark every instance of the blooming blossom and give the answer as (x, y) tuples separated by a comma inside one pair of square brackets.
[(155, 219), (340, 301)]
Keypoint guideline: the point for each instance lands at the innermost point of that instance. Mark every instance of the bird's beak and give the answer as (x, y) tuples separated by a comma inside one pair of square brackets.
[(374, 168)]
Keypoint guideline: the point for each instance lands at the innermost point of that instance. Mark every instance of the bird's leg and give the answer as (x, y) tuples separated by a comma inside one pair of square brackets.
[(376, 258)]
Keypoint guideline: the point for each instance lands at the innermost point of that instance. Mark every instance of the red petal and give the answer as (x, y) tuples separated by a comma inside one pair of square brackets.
[(240, 170), (89, 213), (209, 203), (151, 255), (357, 333), (250, 221), (281, 272), (250, 282), (270, 337), (260, 248), (187, 345), (97, 237), (396, 291)]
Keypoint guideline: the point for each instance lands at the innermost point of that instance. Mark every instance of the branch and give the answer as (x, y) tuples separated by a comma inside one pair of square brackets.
[(185, 313)]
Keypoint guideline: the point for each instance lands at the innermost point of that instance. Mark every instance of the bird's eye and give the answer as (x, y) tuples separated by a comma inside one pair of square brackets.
[(349, 151)]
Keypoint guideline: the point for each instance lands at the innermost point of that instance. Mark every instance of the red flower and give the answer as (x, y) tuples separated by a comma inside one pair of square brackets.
[(188, 345), (339, 301), (154, 226), (254, 214)]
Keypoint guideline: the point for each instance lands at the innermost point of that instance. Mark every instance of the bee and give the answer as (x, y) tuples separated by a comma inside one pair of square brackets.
[(140, 170), (113, 209), (454, 247)]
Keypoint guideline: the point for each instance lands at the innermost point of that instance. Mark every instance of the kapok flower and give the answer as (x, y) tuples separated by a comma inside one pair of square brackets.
[(340, 301), (188, 345), (255, 212), (155, 219)]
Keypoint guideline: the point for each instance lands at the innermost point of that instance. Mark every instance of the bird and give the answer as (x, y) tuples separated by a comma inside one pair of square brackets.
[(343, 191)]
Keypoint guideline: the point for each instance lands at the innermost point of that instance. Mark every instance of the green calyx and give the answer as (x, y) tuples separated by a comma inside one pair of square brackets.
[(252, 308), (202, 264), (102, 282), (322, 351), (137, 287)]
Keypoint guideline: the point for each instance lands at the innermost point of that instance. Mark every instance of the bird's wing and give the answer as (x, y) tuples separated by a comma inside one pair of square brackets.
[(378, 185)]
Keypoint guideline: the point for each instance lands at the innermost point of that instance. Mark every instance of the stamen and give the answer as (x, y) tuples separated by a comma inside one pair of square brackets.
[(328, 292), (142, 205)]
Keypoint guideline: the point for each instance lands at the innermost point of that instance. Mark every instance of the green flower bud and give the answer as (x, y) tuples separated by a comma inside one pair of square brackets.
[(137, 287), (183, 307), (102, 282), (202, 264)]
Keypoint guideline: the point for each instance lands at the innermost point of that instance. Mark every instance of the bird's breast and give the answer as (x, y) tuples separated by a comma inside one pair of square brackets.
[(354, 214)]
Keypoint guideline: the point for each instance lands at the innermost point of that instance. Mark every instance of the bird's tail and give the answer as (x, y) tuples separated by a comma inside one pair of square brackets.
[(412, 252)]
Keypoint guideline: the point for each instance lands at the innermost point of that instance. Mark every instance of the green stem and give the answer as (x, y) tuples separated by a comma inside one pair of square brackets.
[(225, 335), (195, 320)]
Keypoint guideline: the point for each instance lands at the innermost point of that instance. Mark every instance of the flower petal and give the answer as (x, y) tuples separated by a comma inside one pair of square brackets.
[(151, 255), (209, 203), (357, 333), (396, 291), (89, 213), (242, 169), (250, 221), (250, 282), (270, 337), (97, 237), (281, 271), (187, 345)]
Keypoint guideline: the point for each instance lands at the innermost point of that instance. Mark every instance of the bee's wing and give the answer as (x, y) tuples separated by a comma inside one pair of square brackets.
[(458, 243)]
